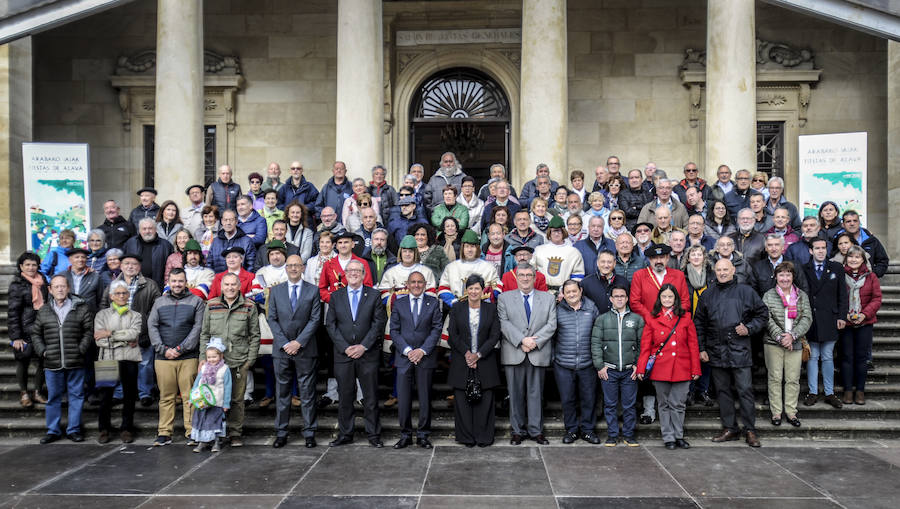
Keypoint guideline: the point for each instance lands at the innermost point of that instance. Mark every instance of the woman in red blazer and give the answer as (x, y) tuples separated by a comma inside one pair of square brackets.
[(676, 364)]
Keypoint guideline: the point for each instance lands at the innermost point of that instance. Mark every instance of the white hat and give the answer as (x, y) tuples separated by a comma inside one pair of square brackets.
[(216, 343)]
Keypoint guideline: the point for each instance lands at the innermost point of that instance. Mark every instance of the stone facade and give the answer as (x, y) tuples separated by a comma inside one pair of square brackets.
[(625, 95)]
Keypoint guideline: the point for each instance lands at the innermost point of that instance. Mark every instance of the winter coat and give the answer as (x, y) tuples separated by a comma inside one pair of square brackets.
[(63, 345), (20, 312), (168, 234), (459, 211), (175, 322), (223, 195), (573, 334), (722, 307), (333, 195), (142, 302), (751, 245), (679, 214), (589, 252), (762, 277), (634, 264), (254, 227), (155, 267), (827, 298), (616, 340), (736, 200), (140, 212), (679, 359), (125, 328), (870, 299), (117, 231), (54, 262), (237, 325), (631, 202), (215, 260), (775, 326), (711, 229), (306, 193), (91, 288), (795, 219), (434, 190), (386, 197), (96, 260)]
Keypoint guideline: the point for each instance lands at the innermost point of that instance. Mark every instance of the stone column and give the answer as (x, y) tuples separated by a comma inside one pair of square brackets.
[(730, 86), (16, 126), (544, 96), (893, 147), (178, 151), (359, 139)]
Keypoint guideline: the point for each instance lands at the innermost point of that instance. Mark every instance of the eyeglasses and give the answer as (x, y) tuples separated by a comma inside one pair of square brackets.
[(354, 271), (642, 230), (296, 167), (294, 265), (743, 178), (691, 170)]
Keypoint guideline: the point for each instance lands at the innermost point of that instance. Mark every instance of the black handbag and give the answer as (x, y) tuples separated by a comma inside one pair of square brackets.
[(22, 355), (473, 387)]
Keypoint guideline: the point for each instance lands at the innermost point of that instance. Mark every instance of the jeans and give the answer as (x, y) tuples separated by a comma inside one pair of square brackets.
[(578, 392), (146, 375), (702, 384), (856, 343), (59, 382), (620, 388), (825, 352)]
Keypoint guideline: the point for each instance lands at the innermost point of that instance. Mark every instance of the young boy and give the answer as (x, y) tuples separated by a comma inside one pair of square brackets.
[(615, 347)]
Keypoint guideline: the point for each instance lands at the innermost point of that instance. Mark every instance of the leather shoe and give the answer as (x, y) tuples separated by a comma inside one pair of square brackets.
[(541, 440), (49, 439), (670, 445), (646, 419), (795, 422), (860, 398), (704, 398), (811, 399), (834, 401), (280, 442), (515, 439), (424, 443), (848, 398), (682, 443), (776, 421), (324, 402), (726, 436), (311, 442), (376, 443), (569, 438), (75, 437), (403, 443), (752, 439), (591, 438), (341, 441)]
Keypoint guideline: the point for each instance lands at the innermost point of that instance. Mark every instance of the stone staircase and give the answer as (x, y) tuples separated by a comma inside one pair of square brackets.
[(879, 418)]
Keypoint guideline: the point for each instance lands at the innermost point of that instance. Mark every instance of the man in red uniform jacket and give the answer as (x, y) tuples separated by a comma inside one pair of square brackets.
[(333, 277), (646, 282), (522, 254)]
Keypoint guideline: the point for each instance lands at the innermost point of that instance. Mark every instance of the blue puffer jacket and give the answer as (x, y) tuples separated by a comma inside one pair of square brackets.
[(573, 334), (305, 193), (333, 195), (216, 262), (398, 224), (254, 227)]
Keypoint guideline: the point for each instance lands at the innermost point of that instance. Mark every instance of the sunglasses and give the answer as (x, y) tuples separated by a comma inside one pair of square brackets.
[(759, 180), (296, 167)]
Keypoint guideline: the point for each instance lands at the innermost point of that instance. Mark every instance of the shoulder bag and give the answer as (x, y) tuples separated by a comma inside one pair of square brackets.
[(652, 359)]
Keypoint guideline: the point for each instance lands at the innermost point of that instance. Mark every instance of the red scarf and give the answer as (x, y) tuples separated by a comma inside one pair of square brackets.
[(789, 301)]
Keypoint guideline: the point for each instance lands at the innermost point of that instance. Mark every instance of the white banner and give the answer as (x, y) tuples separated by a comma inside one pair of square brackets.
[(833, 168), (57, 193)]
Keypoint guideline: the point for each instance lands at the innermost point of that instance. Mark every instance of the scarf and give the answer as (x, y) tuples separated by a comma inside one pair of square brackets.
[(37, 281), (696, 278), (615, 232), (209, 371), (855, 281), (542, 222), (119, 309), (789, 301), (668, 313), (448, 246)]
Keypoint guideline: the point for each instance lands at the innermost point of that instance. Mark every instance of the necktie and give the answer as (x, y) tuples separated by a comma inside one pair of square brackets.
[(416, 311), (294, 297), (354, 302), (819, 271), (527, 309)]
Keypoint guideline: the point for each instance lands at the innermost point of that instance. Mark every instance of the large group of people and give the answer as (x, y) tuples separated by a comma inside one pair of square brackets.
[(643, 292)]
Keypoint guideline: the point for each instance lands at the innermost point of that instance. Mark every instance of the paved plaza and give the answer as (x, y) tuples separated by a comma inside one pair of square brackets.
[(782, 474)]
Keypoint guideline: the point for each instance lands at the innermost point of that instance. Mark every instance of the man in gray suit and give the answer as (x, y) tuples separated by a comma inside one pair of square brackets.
[(527, 321), (294, 311)]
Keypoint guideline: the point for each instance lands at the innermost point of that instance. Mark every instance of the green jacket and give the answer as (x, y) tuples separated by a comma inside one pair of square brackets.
[(237, 325), (459, 211), (775, 326), (616, 340)]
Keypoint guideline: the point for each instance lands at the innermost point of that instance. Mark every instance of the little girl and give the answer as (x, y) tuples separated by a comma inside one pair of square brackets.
[(208, 422)]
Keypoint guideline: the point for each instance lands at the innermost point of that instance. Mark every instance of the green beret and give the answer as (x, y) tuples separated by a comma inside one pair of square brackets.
[(470, 237), (276, 244), (408, 242), (557, 222), (192, 245)]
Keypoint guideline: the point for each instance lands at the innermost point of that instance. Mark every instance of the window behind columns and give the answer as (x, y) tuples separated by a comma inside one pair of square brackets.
[(770, 148), (209, 154)]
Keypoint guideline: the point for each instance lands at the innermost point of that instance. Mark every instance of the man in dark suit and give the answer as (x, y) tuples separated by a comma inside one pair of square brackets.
[(829, 302), (294, 310), (415, 329), (356, 351)]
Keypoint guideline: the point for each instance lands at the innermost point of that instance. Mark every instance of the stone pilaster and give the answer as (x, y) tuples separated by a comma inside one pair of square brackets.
[(178, 152), (893, 147), (359, 137), (544, 93), (730, 86), (16, 126)]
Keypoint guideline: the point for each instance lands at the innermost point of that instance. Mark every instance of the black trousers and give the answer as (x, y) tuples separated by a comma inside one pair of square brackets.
[(287, 369), (366, 371), (22, 373), (741, 381), (423, 378), (128, 375), (474, 423)]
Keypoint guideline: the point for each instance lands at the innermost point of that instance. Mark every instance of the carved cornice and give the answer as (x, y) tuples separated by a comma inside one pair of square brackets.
[(144, 62), (769, 55)]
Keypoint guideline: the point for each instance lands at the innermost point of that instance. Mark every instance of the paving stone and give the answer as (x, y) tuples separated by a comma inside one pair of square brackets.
[(617, 502), (35, 464), (488, 471), (485, 502), (198, 502), (363, 470), (340, 502), (61, 501), (608, 472), (780, 503)]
